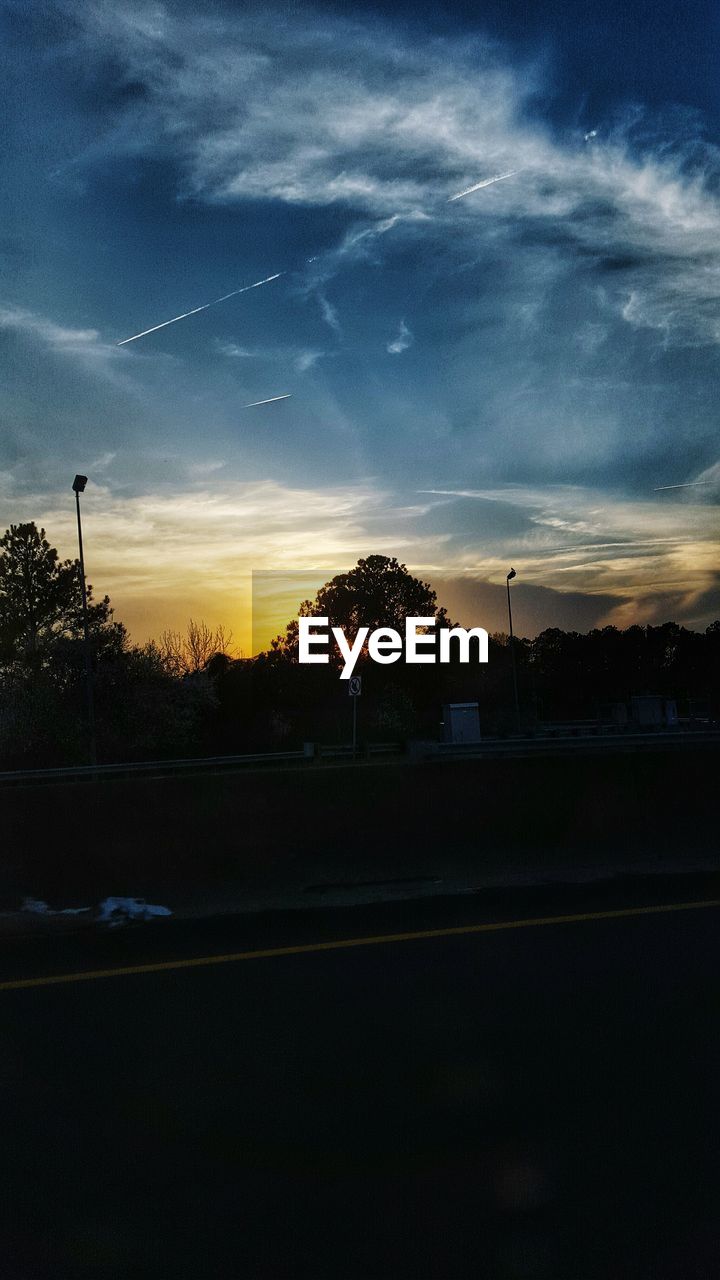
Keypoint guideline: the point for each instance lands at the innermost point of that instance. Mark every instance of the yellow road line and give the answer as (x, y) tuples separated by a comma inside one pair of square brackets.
[(341, 944)]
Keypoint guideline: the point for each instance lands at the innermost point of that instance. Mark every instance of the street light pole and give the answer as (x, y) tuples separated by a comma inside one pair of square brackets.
[(79, 487), (512, 574)]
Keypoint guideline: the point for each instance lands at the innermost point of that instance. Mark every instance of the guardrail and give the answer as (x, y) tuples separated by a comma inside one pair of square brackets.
[(368, 749), (585, 744), (201, 764), (80, 772), (488, 748)]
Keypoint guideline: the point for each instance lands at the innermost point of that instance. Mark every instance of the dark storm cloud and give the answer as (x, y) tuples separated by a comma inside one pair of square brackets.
[(534, 608), (696, 611)]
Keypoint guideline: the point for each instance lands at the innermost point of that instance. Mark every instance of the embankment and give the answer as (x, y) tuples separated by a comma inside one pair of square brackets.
[(156, 836)]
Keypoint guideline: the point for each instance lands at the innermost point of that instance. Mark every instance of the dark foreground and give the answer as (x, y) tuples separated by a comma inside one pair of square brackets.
[(534, 1102)]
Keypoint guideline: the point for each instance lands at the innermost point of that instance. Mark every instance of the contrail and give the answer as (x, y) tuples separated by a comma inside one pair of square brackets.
[(195, 310), (272, 400), (690, 485), (486, 182)]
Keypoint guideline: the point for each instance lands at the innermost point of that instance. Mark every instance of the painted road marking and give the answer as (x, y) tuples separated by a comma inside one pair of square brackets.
[(198, 962)]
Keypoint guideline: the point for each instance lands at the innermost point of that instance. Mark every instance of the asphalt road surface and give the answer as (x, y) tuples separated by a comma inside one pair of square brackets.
[(533, 1101)]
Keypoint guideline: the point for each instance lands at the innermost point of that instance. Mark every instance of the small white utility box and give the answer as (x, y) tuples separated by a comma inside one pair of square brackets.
[(461, 722)]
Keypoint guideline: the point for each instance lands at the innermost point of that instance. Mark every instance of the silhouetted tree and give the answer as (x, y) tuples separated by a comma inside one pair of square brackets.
[(189, 694), (188, 654), (378, 592), (40, 599), (141, 709)]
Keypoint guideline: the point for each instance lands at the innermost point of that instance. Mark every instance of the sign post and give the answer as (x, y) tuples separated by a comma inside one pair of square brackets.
[(354, 690)]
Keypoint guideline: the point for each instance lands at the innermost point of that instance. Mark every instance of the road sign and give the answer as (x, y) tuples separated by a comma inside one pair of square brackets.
[(355, 686)]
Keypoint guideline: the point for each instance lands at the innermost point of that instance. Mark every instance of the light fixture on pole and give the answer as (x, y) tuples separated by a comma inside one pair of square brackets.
[(512, 574), (79, 487)]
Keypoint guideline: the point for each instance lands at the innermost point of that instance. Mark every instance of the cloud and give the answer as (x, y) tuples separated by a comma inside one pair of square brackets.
[(711, 477), (305, 360), (359, 245), (404, 340), (234, 352), (580, 541), (330, 315), (569, 316), (83, 347), (478, 603), (340, 112), (232, 528), (104, 460), (59, 337), (301, 358), (580, 562), (200, 470), (356, 116)]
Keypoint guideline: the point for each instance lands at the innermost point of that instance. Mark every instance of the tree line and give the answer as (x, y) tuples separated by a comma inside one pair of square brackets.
[(191, 693)]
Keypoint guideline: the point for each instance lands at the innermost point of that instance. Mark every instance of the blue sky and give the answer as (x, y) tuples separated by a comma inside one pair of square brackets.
[(502, 379)]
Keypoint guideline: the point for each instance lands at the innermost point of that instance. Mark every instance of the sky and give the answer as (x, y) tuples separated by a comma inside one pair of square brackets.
[(512, 378)]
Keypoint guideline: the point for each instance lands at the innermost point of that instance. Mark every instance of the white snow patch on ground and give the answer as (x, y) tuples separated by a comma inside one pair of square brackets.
[(115, 911), (111, 911), (37, 907), (40, 908)]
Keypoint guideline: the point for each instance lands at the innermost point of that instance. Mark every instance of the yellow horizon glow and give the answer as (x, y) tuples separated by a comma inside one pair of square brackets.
[(164, 558)]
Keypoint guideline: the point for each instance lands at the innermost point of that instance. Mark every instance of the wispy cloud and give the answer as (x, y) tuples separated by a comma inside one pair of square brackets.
[(360, 244), (60, 337), (104, 460), (301, 358), (235, 352), (563, 313), (82, 346), (233, 529), (574, 539), (392, 129), (338, 124), (304, 360), (611, 565), (403, 340), (330, 315), (199, 471)]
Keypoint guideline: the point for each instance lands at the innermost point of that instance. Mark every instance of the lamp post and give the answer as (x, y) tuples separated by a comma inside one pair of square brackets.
[(512, 574), (79, 487)]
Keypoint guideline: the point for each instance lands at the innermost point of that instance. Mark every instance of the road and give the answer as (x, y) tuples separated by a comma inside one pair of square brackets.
[(533, 1101)]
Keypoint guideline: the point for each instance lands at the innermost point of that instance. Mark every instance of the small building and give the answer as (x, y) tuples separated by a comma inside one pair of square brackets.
[(461, 722), (652, 711)]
